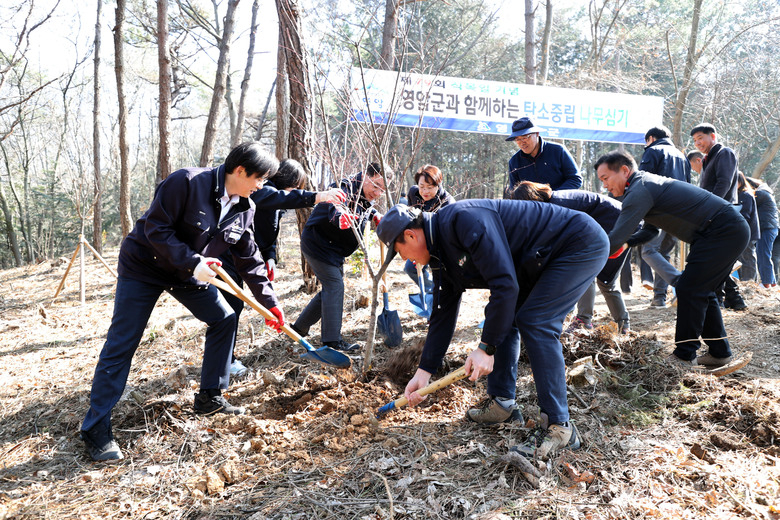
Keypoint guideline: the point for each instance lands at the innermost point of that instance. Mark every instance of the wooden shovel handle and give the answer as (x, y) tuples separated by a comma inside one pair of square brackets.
[(447, 380)]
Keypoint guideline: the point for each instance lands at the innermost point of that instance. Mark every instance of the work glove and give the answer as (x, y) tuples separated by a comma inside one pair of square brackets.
[(334, 196), (618, 252), (203, 272), (278, 323), (346, 219), (377, 218), (270, 265)]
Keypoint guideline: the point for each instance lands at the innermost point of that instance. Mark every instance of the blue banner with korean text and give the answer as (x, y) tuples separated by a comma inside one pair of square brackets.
[(489, 107)]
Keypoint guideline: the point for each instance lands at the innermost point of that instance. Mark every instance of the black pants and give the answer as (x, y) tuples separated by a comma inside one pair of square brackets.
[(710, 260)]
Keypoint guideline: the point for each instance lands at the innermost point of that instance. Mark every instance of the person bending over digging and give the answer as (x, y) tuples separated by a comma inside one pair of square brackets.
[(196, 215), (712, 226), (537, 260)]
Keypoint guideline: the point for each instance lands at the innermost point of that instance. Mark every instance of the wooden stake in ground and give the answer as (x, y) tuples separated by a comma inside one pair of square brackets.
[(82, 241)]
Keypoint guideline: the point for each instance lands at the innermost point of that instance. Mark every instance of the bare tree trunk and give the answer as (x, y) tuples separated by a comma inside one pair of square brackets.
[(530, 44), (294, 119), (239, 130), (545, 65), (10, 232), (164, 64), (261, 121), (207, 152), (766, 158), (389, 35), (97, 203), (690, 63), (119, 68)]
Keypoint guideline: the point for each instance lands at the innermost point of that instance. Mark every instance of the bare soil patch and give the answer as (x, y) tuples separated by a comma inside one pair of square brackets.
[(658, 444)]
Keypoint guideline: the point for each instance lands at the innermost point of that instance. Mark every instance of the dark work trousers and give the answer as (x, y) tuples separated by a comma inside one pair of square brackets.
[(133, 304), (539, 321), (710, 260), (236, 303)]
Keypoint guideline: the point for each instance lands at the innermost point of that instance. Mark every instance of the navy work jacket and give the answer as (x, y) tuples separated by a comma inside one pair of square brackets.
[(719, 173), (321, 237), (553, 165), (662, 158), (181, 226), (501, 245)]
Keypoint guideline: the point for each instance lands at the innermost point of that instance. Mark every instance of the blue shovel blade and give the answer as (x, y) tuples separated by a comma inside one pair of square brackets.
[(420, 307)]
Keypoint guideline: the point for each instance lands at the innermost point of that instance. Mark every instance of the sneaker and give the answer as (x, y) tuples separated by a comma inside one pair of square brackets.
[(100, 443), (577, 324), (674, 361), (342, 345), (658, 302), (209, 402), (490, 411), (237, 369), (543, 442), (708, 360)]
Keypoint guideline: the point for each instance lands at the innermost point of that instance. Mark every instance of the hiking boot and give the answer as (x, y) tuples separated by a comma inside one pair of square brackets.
[(674, 361), (342, 345), (659, 302), (490, 411), (543, 442), (100, 443), (708, 360), (209, 402), (237, 369), (578, 324)]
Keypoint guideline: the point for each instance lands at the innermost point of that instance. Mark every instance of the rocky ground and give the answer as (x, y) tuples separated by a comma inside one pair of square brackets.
[(658, 444)]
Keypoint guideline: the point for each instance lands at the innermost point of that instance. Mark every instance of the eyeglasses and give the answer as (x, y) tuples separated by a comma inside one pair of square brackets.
[(524, 138)]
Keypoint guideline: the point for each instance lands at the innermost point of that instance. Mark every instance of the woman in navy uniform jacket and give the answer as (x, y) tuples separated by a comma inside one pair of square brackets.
[(429, 195), (196, 215), (326, 240), (537, 259)]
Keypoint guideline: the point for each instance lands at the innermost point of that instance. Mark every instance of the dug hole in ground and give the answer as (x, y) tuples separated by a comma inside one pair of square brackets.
[(657, 443)]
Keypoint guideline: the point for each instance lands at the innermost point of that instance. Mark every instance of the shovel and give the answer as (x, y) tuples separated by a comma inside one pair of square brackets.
[(388, 324), (421, 303), (436, 385), (324, 355)]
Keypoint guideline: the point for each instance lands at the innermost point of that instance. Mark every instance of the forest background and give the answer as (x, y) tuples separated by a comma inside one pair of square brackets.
[(100, 101)]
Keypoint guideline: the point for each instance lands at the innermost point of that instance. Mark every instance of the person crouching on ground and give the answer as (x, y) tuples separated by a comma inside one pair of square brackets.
[(712, 226), (537, 260), (196, 215)]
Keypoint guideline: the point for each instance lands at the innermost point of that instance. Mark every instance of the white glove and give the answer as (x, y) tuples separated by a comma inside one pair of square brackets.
[(203, 272)]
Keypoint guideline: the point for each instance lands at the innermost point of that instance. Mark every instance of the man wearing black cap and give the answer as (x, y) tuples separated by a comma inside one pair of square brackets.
[(537, 260), (539, 160)]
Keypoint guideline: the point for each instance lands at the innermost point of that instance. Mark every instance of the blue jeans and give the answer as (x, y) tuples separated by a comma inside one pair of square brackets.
[(133, 304), (656, 253), (539, 320), (411, 270), (764, 255), (328, 304)]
